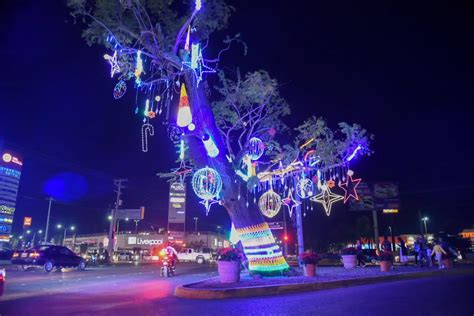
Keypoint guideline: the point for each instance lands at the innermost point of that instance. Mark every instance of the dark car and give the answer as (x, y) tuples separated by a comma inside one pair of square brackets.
[(48, 257)]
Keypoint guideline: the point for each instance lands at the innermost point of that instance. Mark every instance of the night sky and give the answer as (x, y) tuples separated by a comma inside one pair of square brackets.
[(403, 70)]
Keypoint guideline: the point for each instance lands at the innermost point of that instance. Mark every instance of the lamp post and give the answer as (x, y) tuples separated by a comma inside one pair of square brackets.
[(218, 234), (136, 225), (425, 219), (72, 228), (34, 237), (195, 224)]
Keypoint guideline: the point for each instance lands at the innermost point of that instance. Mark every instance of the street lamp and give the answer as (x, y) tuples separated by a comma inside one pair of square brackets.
[(109, 217), (425, 219), (34, 237), (72, 228), (196, 224)]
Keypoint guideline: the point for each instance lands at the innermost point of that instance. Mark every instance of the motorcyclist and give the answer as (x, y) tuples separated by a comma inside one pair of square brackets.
[(172, 255)]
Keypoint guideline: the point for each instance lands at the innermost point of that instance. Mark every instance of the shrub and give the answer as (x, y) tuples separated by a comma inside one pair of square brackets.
[(228, 254), (309, 258)]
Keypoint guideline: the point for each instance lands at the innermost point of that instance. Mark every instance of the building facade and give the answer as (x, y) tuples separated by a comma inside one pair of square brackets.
[(10, 173)]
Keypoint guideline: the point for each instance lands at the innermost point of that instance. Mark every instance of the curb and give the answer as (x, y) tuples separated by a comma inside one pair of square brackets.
[(184, 291)]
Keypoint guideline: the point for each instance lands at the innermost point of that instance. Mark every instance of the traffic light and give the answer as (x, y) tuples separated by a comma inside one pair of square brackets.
[(285, 238)]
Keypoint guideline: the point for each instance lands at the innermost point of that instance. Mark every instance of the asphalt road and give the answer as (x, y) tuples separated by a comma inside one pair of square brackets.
[(139, 290)]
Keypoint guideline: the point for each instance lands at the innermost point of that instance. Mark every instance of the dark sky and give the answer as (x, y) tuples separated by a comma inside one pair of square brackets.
[(403, 70)]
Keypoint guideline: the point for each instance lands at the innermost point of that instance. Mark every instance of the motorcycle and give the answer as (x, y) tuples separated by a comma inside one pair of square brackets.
[(167, 268)]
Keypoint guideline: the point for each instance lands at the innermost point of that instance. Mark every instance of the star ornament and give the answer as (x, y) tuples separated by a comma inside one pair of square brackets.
[(349, 187), (114, 67), (326, 198), (290, 202), (208, 203), (182, 171)]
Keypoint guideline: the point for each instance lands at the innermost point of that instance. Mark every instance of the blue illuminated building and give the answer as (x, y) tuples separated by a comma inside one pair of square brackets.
[(10, 172)]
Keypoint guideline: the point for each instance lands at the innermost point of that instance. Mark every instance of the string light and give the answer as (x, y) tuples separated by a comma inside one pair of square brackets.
[(198, 5), (256, 148), (194, 55), (290, 202), (359, 147), (350, 188), (114, 66), (120, 89), (147, 129), (207, 183), (138, 68), (326, 198), (188, 37), (269, 203), (305, 188)]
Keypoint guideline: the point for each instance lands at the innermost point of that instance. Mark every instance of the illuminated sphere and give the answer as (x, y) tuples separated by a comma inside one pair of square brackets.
[(256, 148), (120, 89), (305, 188), (207, 183), (269, 203)]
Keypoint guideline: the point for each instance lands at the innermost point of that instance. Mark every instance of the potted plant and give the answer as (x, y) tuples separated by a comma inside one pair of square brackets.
[(309, 260), (349, 257), (385, 261), (228, 265)]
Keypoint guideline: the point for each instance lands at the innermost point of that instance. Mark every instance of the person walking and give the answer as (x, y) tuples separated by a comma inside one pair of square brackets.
[(403, 251), (423, 252), (387, 248), (416, 249), (360, 254), (438, 251)]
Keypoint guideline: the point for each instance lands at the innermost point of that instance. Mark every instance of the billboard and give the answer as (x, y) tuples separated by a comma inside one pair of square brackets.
[(27, 221), (379, 196), (130, 213), (177, 203)]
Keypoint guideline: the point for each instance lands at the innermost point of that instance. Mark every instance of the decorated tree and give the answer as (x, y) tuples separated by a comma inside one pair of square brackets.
[(233, 143)]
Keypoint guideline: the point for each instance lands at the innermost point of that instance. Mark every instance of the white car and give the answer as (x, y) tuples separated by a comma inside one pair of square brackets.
[(199, 256)]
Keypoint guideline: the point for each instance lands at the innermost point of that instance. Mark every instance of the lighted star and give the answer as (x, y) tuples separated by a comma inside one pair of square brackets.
[(208, 203), (350, 188), (326, 198), (331, 184), (151, 114), (114, 67), (290, 202), (182, 171)]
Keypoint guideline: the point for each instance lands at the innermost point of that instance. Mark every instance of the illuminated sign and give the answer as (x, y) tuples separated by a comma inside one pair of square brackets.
[(7, 210), (390, 210), (7, 157), (143, 241), (177, 203), (132, 214), (27, 221)]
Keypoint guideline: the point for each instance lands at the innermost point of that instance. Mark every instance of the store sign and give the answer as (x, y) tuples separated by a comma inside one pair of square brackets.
[(5, 229), (132, 214), (177, 203), (7, 210), (390, 211), (176, 236), (27, 221), (9, 158), (133, 240), (275, 225)]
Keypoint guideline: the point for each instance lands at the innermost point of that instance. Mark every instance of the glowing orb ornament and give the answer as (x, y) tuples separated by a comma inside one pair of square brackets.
[(120, 89), (269, 203), (207, 183), (256, 148), (305, 188)]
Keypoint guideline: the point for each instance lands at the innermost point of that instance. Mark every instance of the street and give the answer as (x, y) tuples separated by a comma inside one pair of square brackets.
[(139, 290)]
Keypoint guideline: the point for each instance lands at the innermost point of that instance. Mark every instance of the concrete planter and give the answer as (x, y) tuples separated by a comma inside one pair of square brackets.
[(229, 271), (385, 266), (309, 270), (350, 261)]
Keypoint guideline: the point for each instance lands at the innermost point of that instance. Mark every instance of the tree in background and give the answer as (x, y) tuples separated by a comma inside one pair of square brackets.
[(233, 143)]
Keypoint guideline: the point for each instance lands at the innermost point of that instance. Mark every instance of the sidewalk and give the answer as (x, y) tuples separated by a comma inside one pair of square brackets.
[(326, 278)]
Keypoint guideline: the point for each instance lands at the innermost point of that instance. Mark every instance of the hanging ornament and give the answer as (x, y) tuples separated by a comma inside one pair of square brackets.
[(208, 203), (326, 198), (269, 203), (120, 89), (210, 145), (331, 184), (305, 188), (138, 68), (256, 148), (147, 129), (290, 202), (184, 110), (207, 183), (114, 67), (174, 132), (188, 36), (350, 186)]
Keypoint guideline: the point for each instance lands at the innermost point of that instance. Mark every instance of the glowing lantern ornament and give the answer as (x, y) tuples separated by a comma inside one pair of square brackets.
[(350, 186), (305, 188), (256, 148), (207, 184), (290, 202), (188, 37), (120, 89), (269, 203), (326, 198), (184, 110), (211, 148)]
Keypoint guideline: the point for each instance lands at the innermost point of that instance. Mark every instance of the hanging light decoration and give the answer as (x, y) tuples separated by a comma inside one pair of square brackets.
[(269, 203), (207, 183), (305, 188), (256, 148), (184, 110), (211, 148)]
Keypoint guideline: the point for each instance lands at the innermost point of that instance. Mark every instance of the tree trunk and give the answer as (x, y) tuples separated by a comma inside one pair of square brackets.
[(264, 256)]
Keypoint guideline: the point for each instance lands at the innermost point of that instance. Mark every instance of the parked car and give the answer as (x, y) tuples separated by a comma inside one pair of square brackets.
[(199, 256), (48, 257)]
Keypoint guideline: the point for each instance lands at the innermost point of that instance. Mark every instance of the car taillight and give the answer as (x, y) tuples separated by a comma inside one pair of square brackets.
[(34, 255), (15, 255)]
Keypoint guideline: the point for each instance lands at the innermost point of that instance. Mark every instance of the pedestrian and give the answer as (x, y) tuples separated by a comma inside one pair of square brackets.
[(416, 249), (403, 251), (429, 252), (438, 251), (422, 256), (387, 248), (360, 254)]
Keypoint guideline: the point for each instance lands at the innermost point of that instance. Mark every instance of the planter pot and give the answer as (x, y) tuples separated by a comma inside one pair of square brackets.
[(229, 271), (350, 261), (385, 266), (448, 263), (309, 270)]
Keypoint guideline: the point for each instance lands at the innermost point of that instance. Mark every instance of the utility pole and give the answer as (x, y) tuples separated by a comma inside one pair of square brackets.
[(285, 236), (196, 224), (376, 229), (421, 224), (47, 220), (299, 224), (119, 184), (136, 225)]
